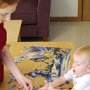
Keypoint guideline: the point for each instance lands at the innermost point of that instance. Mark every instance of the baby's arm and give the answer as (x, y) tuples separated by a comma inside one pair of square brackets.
[(73, 89), (58, 82), (54, 84)]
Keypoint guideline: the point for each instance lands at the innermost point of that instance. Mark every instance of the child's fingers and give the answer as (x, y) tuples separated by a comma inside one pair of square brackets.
[(50, 84), (47, 83)]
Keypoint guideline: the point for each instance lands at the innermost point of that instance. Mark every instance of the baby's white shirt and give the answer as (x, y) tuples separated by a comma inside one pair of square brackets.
[(80, 83)]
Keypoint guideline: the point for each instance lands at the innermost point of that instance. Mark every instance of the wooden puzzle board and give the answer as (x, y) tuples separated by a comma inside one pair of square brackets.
[(27, 66)]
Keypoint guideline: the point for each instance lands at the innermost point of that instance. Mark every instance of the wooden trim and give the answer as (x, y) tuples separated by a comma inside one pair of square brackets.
[(58, 19), (80, 9), (78, 18)]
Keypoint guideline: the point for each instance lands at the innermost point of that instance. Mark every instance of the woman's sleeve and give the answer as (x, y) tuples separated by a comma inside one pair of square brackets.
[(3, 38)]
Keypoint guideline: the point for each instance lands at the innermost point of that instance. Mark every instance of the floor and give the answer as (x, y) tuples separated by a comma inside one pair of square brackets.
[(76, 32)]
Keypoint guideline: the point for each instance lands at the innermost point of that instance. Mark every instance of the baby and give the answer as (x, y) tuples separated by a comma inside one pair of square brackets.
[(79, 73)]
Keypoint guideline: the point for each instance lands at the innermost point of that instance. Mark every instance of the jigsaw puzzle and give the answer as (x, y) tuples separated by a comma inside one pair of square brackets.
[(57, 61)]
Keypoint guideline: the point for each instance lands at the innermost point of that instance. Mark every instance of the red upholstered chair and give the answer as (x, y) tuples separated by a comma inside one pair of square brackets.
[(35, 15)]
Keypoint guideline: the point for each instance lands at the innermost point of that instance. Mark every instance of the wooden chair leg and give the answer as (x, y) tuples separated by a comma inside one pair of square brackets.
[(45, 39)]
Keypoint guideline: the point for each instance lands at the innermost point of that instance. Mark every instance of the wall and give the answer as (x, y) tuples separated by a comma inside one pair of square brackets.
[(64, 8)]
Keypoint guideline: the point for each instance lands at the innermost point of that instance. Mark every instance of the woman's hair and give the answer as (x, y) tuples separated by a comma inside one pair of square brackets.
[(10, 2)]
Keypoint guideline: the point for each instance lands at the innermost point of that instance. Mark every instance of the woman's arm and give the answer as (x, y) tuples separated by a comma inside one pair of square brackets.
[(8, 61)]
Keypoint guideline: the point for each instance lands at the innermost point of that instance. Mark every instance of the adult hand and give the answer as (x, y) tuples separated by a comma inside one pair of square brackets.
[(25, 83)]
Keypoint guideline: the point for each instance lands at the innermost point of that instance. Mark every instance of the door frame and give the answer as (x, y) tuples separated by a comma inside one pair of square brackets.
[(80, 9)]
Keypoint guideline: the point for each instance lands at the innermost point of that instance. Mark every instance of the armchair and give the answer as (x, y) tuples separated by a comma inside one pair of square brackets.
[(35, 18)]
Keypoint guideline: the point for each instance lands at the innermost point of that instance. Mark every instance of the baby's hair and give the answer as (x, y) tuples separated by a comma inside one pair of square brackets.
[(10, 2), (84, 51)]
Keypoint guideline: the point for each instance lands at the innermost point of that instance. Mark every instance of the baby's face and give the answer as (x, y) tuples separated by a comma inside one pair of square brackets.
[(80, 65), (6, 11)]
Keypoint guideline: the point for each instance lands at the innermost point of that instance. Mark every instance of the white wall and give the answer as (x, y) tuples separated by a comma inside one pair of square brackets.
[(64, 8)]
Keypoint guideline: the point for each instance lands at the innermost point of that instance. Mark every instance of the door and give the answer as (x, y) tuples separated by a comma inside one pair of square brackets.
[(86, 10)]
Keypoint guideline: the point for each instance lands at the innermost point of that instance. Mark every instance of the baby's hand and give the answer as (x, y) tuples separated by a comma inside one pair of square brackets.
[(44, 87), (50, 87)]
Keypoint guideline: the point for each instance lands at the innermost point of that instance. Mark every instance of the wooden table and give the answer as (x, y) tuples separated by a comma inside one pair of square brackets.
[(17, 49), (13, 30)]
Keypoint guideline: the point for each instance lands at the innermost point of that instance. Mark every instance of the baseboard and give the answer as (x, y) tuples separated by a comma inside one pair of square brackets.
[(59, 19)]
